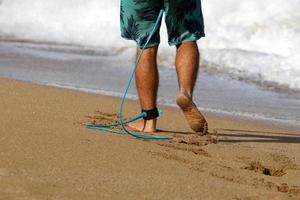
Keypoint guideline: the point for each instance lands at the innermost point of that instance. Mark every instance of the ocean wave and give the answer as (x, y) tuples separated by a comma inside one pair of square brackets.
[(255, 38)]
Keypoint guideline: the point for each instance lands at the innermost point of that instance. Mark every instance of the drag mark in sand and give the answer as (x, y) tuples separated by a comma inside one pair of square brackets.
[(188, 148), (170, 156), (190, 143), (193, 165)]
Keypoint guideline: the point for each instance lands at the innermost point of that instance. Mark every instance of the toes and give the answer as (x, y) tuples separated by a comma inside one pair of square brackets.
[(204, 130)]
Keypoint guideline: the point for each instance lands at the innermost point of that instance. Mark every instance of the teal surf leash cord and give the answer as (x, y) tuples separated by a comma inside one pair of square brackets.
[(108, 127)]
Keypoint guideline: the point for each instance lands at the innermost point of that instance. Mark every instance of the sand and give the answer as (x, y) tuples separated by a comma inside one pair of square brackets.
[(47, 153)]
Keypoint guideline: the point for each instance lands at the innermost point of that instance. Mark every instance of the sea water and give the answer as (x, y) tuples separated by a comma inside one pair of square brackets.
[(249, 39), (249, 58)]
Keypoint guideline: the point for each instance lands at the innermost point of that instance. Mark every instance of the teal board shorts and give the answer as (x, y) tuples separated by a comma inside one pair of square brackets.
[(183, 18)]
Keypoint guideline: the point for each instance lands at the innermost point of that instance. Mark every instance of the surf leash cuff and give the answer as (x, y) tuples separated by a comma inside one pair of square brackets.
[(151, 114)]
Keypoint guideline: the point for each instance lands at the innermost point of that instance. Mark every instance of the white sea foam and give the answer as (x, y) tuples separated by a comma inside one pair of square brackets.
[(92, 23), (256, 39)]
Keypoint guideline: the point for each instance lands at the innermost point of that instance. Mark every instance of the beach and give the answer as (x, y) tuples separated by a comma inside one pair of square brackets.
[(64, 65), (47, 153)]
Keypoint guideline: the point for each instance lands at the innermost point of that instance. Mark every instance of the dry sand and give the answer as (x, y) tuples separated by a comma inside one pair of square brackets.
[(47, 153)]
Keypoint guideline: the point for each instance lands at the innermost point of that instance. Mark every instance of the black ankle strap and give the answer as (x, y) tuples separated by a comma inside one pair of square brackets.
[(151, 114)]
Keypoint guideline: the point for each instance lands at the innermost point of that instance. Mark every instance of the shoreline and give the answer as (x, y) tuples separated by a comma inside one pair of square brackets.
[(293, 125), (285, 124), (80, 69), (47, 153)]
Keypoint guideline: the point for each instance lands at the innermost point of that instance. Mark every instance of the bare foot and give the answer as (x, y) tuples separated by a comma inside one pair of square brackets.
[(193, 116), (147, 126)]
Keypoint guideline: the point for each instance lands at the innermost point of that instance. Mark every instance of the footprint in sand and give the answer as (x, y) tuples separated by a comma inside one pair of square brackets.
[(102, 118), (268, 171)]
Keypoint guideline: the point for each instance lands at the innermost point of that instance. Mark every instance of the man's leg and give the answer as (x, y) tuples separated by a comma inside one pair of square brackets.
[(187, 65), (147, 85)]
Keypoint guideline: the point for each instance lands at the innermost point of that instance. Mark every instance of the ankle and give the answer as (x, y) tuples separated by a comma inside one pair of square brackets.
[(186, 93), (151, 122), (150, 125)]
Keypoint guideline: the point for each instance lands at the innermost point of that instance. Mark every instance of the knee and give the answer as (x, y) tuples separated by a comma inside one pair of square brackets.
[(188, 47), (190, 44), (149, 52)]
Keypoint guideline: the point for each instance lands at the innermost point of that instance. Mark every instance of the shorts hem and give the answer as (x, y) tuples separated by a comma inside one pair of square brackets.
[(149, 45), (191, 39)]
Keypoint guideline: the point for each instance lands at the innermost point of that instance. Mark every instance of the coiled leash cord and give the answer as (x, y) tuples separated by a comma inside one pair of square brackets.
[(108, 127)]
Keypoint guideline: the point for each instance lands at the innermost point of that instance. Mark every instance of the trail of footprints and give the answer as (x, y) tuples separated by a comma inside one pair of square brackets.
[(194, 144), (263, 173)]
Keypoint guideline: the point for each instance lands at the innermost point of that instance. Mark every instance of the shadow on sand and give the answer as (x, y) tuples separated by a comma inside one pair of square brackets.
[(235, 135)]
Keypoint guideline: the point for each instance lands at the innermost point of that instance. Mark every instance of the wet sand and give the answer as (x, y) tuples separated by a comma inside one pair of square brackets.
[(47, 153)]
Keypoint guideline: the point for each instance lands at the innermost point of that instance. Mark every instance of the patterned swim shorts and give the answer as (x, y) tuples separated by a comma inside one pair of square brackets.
[(183, 18)]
